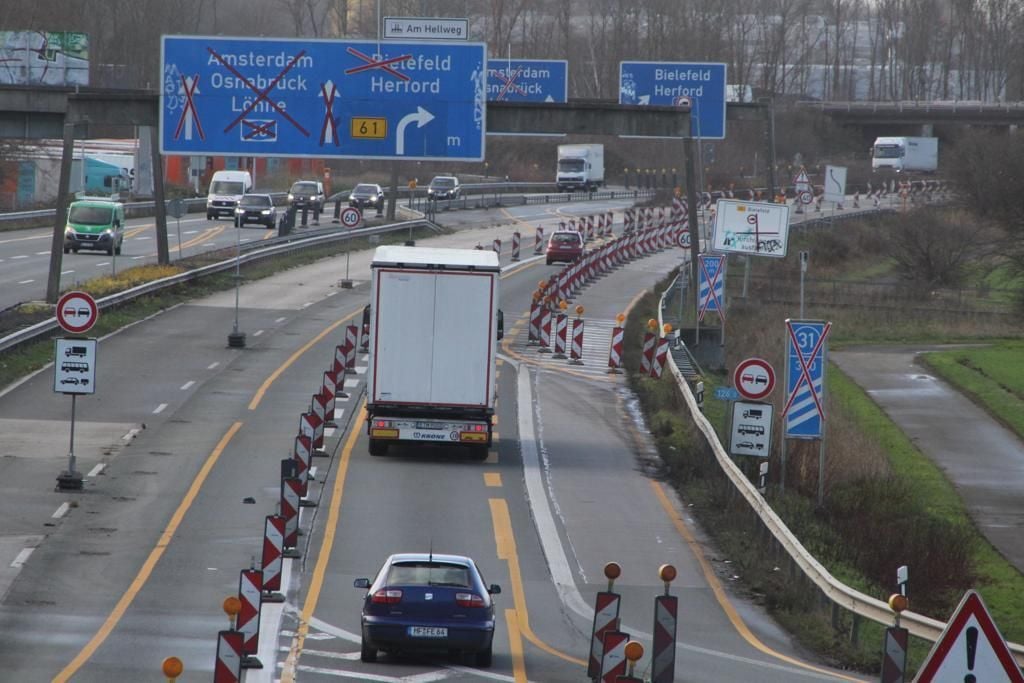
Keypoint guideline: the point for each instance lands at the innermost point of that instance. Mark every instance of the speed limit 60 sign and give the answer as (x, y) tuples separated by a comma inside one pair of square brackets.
[(350, 216), (77, 312)]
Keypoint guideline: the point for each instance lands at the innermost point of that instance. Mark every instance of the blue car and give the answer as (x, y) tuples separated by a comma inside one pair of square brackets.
[(423, 602)]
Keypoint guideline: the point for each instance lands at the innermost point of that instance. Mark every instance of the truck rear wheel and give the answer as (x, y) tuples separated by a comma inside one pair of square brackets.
[(378, 447)]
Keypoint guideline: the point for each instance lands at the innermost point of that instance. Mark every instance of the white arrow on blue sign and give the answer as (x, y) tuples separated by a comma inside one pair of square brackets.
[(806, 355), (323, 98), (667, 83), (527, 80)]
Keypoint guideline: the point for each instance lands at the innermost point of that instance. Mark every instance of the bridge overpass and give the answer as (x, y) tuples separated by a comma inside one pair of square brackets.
[(919, 117)]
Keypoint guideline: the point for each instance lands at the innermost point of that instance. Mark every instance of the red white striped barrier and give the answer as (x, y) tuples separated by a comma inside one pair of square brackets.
[(227, 668), (663, 656), (533, 329), (515, 246), (561, 332), (576, 349), (339, 371), (590, 228), (660, 356), (290, 495), (271, 560), (339, 359), (496, 246), (545, 330), (647, 357), (613, 663), (615, 352), (329, 388), (307, 427), (606, 618), (250, 593), (609, 223), (318, 406), (301, 453), (538, 240), (349, 346)]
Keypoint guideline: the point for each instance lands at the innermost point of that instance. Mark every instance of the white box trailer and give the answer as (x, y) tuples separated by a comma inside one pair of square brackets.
[(905, 154), (434, 330)]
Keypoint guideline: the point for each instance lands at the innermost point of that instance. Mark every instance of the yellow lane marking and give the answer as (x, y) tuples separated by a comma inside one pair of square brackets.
[(135, 231), (320, 570), (147, 567), (268, 234), (723, 599), (506, 543), (294, 357), (207, 234), (492, 479), (515, 647)]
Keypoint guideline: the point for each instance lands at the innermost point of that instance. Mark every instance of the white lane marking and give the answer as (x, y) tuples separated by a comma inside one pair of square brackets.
[(351, 383), (105, 263), (190, 232), (144, 237), (13, 258), (247, 239), (349, 656), (22, 558), (558, 564), (307, 304), (257, 333), (339, 413), (159, 409), (332, 293), (281, 319), (95, 471), (329, 431), (271, 615), (66, 272), (212, 365), (187, 385), (360, 369), (136, 258), (62, 510), (26, 282), (42, 253)]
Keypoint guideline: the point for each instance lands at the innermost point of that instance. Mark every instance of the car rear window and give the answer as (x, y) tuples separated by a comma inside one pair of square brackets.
[(366, 189), (443, 182), (428, 574), (306, 188), (565, 238), (255, 201)]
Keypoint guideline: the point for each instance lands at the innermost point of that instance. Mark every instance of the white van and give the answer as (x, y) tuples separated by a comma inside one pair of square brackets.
[(226, 188)]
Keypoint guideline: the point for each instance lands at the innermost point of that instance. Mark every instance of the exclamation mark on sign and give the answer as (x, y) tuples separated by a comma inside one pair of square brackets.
[(972, 648)]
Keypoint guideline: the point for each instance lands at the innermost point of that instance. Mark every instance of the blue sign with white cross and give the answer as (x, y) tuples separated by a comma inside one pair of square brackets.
[(803, 416), (711, 284), (323, 98), (527, 80), (671, 84)]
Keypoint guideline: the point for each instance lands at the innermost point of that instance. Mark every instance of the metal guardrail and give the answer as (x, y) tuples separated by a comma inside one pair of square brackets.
[(836, 592), (262, 250)]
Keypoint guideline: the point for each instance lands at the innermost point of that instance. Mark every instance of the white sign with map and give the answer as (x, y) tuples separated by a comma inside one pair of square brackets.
[(757, 228)]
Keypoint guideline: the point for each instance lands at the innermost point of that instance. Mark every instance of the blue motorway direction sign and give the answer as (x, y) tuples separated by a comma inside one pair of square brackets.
[(667, 83), (806, 355), (323, 98), (527, 80)]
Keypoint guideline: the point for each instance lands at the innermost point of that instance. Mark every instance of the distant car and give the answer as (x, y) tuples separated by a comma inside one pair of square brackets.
[(444, 187), (423, 602), (565, 245), (307, 194), (366, 194), (256, 208)]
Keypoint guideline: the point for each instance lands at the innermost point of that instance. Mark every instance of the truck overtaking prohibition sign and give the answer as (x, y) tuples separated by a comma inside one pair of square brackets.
[(754, 378), (77, 312)]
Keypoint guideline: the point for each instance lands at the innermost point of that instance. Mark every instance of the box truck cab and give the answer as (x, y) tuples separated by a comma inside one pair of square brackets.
[(94, 223), (580, 167), (905, 154), (434, 331), (226, 189)]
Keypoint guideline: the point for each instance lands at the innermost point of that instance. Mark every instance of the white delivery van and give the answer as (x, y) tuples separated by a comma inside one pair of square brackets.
[(226, 188), (580, 167)]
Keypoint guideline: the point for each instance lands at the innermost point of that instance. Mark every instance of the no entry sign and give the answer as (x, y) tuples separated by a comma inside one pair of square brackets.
[(77, 312), (754, 378)]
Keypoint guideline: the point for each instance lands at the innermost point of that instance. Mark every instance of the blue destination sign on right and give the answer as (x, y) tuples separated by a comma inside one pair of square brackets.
[(665, 83)]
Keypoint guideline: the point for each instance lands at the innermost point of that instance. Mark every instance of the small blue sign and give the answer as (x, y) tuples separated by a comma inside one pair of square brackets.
[(665, 83), (323, 98), (727, 394), (806, 355), (527, 80), (711, 284)]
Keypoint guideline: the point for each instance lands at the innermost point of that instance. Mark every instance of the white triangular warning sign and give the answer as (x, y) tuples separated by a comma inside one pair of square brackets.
[(801, 177), (970, 649)]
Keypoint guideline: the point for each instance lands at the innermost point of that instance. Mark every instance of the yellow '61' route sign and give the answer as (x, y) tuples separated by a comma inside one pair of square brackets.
[(369, 127)]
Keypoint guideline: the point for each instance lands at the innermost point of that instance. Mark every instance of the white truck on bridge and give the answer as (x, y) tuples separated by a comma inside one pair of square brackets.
[(434, 331)]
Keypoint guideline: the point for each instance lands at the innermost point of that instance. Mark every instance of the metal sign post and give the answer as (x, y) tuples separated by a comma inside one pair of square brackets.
[(176, 208), (74, 368), (236, 339)]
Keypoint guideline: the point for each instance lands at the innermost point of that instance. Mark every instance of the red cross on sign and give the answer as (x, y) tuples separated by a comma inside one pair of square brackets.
[(510, 83), (384, 64)]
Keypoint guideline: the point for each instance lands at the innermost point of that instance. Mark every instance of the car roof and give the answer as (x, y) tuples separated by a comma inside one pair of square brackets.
[(430, 557), (444, 177), (95, 201), (256, 194), (567, 232)]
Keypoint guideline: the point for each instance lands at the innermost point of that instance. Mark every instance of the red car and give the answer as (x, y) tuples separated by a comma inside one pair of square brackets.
[(565, 246)]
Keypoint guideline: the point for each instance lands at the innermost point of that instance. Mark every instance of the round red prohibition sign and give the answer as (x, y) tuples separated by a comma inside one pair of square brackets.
[(754, 378), (77, 312), (351, 216)]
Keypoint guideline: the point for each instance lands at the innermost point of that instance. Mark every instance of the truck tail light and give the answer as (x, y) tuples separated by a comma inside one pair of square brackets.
[(468, 600), (387, 596), (381, 423)]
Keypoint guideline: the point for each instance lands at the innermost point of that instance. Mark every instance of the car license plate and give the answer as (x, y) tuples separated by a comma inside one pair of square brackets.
[(428, 632)]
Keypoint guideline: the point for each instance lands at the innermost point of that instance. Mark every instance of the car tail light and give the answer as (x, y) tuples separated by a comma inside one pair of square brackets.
[(387, 596), (468, 600)]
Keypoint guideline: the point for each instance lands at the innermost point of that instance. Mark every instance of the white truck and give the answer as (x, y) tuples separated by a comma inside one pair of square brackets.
[(905, 154), (434, 331), (580, 167)]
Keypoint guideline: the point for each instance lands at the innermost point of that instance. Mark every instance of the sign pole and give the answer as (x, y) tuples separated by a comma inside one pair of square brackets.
[(821, 468), (179, 237), (236, 339), (71, 480)]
